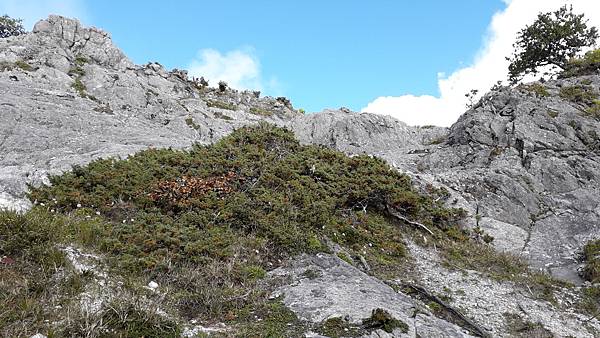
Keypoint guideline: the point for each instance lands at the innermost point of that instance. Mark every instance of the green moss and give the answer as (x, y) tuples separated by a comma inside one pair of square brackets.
[(190, 122), (381, 319), (337, 327), (221, 105), (435, 307), (254, 272), (24, 65), (343, 256), (270, 320), (260, 111)]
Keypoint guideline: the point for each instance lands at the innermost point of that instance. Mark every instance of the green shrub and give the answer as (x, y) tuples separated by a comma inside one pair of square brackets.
[(579, 94), (76, 71), (81, 60), (589, 64), (210, 221), (31, 237), (10, 26), (594, 109), (536, 88), (195, 205), (381, 319), (79, 87), (591, 253)]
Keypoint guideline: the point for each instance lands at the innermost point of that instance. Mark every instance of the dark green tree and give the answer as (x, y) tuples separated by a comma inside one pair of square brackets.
[(10, 26), (552, 39)]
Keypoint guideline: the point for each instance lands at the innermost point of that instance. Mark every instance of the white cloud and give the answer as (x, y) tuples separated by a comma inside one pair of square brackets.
[(239, 68), (489, 66), (31, 11)]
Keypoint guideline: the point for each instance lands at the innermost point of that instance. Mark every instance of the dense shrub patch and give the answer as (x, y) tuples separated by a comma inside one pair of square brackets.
[(258, 186), (208, 223), (589, 64)]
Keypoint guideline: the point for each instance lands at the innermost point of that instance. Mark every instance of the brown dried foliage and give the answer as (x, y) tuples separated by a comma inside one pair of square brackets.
[(182, 190)]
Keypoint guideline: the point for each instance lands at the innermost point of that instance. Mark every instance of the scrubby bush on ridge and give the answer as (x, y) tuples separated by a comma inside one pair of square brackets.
[(187, 206)]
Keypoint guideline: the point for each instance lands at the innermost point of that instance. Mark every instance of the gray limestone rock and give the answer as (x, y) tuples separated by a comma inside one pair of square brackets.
[(324, 286)]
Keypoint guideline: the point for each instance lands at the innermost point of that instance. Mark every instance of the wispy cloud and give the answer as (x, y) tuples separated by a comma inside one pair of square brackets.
[(489, 66), (31, 11), (240, 68)]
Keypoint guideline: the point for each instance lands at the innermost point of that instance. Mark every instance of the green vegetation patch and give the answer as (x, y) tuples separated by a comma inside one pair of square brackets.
[(381, 319), (536, 88), (79, 87), (518, 327), (208, 223), (76, 71), (462, 253), (222, 116), (81, 60), (579, 94), (590, 301), (594, 109), (221, 105), (260, 111), (258, 186), (591, 253), (271, 319), (24, 65), (337, 327), (589, 64), (190, 123)]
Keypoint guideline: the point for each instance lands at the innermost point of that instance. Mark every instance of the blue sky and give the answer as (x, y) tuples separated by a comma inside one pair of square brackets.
[(320, 53), (410, 59)]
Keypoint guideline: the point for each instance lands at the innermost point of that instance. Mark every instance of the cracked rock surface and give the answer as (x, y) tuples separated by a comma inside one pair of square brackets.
[(335, 288)]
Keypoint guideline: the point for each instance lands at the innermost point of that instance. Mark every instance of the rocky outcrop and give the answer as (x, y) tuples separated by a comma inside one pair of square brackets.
[(324, 287), (70, 96), (526, 166)]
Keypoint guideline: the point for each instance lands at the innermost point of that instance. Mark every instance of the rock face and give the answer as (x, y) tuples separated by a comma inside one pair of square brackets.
[(324, 286), (79, 98), (523, 162)]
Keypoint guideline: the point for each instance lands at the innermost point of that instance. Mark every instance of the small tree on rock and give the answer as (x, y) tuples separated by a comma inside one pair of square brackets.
[(552, 39), (10, 26)]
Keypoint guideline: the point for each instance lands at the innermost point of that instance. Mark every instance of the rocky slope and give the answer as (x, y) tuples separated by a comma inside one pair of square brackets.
[(523, 162)]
